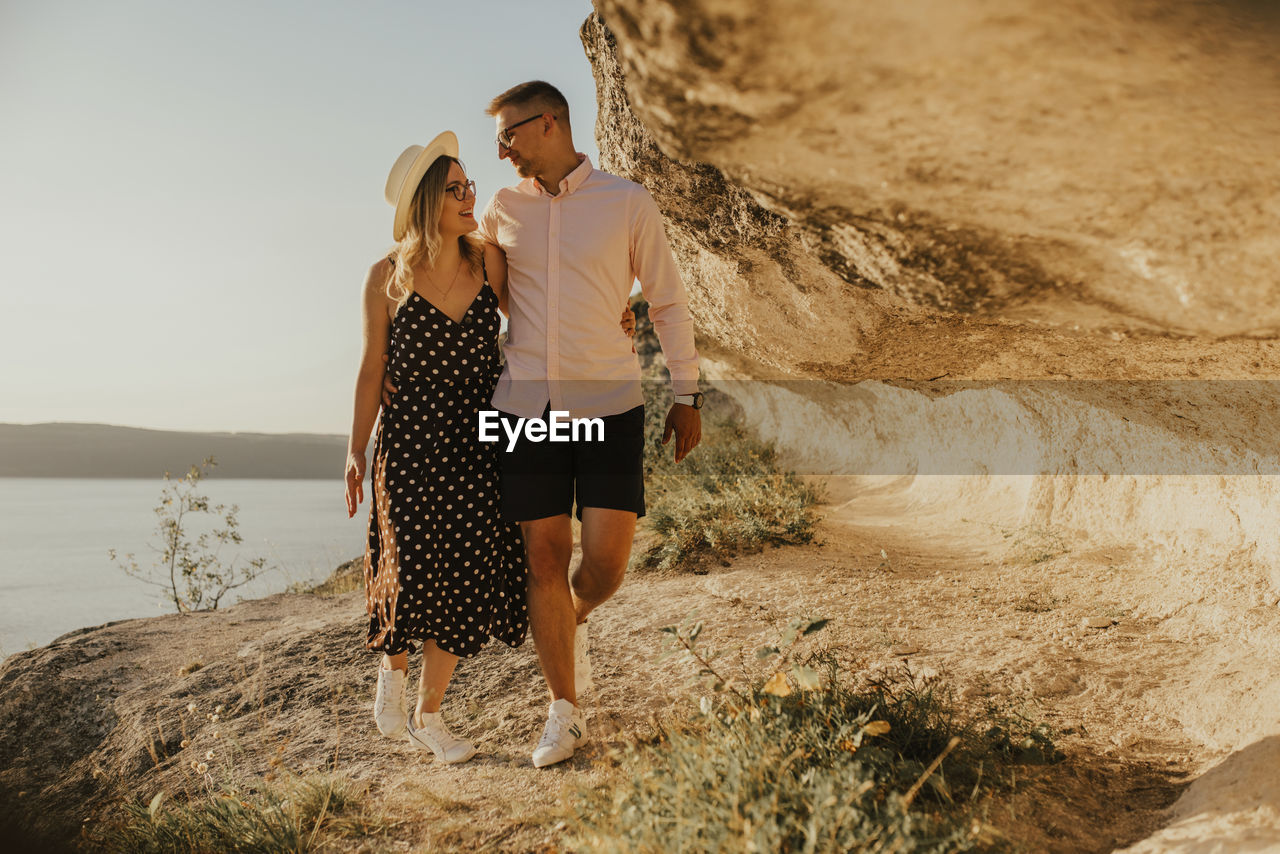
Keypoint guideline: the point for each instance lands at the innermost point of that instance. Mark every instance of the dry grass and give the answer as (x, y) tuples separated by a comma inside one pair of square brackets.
[(294, 815), (810, 757), (347, 577)]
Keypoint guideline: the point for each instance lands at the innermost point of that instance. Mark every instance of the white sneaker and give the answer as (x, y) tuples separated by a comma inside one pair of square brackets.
[(565, 730), (582, 683), (433, 735), (388, 703)]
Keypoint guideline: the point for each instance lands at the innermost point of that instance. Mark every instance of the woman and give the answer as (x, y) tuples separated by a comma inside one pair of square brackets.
[(441, 566)]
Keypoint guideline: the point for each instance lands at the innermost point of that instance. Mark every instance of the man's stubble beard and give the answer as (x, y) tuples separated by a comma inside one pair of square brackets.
[(526, 169)]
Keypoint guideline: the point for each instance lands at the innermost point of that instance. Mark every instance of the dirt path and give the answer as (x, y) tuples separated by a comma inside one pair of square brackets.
[(999, 620), (1002, 623), (1001, 629)]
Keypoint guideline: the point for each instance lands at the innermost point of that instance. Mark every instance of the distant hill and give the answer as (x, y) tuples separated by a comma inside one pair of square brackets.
[(102, 450)]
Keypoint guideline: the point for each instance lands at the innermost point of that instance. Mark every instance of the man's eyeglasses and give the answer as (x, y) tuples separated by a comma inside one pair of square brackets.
[(460, 190), (504, 136)]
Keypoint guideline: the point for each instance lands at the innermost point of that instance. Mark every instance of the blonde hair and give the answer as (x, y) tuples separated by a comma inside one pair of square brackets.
[(421, 241)]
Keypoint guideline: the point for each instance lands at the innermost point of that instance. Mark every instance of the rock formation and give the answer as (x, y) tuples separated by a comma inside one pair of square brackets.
[(996, 264), (1105, 167)]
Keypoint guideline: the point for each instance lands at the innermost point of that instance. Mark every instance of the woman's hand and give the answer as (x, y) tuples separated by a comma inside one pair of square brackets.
[(629, 322), (355, 482)]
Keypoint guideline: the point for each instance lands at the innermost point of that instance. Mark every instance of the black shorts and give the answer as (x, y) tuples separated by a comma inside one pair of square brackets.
[(540, 479)]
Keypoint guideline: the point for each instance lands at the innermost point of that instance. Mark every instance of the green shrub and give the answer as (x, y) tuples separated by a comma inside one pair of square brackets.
[(808, 760), (726, 497)]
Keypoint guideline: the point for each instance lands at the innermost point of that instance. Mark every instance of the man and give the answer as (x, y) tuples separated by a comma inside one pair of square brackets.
[(575, 239)]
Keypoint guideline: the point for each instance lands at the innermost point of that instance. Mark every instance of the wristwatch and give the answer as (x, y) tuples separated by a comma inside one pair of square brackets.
[(694, 400)]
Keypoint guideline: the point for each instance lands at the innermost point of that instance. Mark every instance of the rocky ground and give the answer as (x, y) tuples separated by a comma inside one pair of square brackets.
[(102, 714)]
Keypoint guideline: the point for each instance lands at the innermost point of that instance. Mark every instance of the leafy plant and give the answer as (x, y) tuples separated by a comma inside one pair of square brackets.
[(188, 567)]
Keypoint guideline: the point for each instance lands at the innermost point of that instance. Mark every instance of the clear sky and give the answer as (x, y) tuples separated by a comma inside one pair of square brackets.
[(191, 192)]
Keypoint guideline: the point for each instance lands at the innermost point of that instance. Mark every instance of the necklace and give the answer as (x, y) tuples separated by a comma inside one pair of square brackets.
[(444, 293)]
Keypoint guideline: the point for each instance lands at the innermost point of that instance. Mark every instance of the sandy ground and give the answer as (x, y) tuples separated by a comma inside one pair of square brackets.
[(1000, 618)]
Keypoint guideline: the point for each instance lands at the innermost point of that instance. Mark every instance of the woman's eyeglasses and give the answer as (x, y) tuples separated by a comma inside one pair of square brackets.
[(460, 190)]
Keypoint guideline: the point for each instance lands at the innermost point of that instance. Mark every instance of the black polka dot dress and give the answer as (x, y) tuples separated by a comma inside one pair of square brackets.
[(441, 563)]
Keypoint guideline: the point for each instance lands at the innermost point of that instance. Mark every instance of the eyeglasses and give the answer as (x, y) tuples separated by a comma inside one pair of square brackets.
[(460, 190), (504, 135)]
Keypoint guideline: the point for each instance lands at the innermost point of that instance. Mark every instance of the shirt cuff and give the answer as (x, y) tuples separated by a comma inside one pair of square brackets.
[(684, 386)]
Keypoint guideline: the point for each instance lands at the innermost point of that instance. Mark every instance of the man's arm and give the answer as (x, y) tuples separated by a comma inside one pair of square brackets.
[(495, 257), (655, 269), (495, 270)]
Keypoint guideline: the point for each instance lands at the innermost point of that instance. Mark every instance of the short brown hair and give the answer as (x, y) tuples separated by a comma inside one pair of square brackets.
[(535, 93)]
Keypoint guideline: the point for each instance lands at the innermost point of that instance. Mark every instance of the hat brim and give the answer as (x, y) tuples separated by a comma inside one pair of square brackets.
[(445, 143)]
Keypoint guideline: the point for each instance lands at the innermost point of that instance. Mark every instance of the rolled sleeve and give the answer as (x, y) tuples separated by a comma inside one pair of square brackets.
[(488, 222), (654, 267)]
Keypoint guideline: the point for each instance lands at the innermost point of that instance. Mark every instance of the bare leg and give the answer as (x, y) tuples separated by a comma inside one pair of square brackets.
[(606, 547), (549, 544), (437, 670), (396, 662)]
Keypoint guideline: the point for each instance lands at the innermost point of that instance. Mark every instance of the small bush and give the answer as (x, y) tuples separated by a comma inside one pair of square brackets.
[(189, 568), (809, 759), (726, 497), (290, 817)]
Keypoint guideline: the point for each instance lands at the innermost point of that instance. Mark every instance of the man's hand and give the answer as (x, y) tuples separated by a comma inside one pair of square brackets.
[(388, 390), (686, 423)]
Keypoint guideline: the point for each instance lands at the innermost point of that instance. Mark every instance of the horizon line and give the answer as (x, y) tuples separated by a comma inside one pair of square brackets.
[(167, 429)]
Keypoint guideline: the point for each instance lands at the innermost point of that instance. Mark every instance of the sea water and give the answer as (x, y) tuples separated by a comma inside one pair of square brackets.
[(55, 533)]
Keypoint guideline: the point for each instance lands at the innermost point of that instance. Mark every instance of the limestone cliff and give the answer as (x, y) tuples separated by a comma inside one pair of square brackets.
[(992, 266), (1101, 166)]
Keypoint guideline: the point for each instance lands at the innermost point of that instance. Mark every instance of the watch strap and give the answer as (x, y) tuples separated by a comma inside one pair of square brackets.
[(688, 399)]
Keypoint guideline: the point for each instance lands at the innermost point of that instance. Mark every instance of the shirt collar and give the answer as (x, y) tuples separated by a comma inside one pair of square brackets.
[(575, 179), (571, 182)]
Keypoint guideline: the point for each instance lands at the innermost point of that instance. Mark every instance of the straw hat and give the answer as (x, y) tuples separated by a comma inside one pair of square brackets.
[(405, 176)]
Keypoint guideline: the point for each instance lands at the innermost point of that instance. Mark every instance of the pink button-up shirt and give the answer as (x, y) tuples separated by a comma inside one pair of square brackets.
[(571, 261)]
